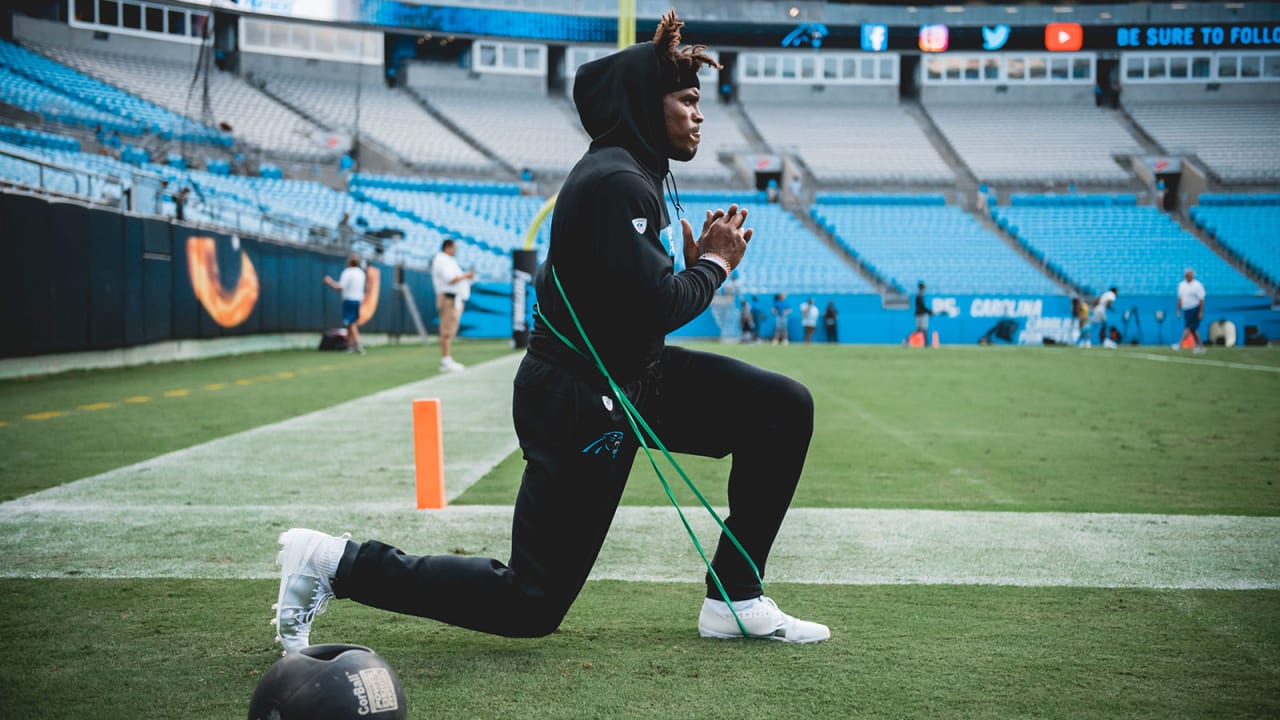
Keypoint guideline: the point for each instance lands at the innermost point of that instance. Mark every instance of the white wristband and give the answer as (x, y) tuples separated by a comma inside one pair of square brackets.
[(718, 259)]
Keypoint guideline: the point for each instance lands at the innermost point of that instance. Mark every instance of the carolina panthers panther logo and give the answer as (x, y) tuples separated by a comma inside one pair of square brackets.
[(608, 442)]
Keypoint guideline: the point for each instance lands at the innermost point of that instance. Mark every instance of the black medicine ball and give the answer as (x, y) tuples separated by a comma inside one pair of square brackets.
[(329, 682)]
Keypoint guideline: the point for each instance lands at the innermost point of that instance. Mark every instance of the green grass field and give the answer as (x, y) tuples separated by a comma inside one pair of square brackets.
[(989, 532)]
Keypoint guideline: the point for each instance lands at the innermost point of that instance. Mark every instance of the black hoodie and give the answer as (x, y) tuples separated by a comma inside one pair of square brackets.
[(609, 232)]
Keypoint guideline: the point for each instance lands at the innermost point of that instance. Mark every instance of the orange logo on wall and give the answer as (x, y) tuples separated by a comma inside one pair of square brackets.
[(228, 308), (369, 305)]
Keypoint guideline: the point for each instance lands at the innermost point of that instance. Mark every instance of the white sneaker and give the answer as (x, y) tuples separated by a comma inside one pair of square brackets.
[(762, 619), (1175, 347), (448, 364), (305, 586)]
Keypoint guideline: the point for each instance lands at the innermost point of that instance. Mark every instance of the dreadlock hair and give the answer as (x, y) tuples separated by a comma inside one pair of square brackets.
[(680, 65)]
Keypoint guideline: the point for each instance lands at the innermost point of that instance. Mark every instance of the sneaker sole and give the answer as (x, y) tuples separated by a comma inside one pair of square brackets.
[(739, 636)]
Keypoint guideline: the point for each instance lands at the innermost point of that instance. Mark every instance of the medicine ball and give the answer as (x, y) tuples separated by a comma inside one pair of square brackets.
[(329, 682)]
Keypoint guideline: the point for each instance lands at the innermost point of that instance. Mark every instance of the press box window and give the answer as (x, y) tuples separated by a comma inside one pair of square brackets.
[(177, 22), (1250, 66), (108, 12), (132, 16)]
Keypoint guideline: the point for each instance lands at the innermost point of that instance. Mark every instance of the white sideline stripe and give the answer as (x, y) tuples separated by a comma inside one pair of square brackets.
[(48, 539), (1194, 361), (363, 445)]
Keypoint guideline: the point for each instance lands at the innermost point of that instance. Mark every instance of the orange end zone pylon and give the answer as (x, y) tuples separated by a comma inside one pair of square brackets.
[(428, 454)]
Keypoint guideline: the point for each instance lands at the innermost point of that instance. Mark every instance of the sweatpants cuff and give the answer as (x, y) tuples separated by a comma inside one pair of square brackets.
[(346, 567)]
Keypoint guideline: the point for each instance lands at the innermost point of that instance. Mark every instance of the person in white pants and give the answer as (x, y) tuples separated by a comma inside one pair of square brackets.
[(1191, 308)]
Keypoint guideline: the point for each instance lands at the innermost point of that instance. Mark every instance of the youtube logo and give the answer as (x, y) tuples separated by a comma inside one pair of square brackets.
[(1063, 37)]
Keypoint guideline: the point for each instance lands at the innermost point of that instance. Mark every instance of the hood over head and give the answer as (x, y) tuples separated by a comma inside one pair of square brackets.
[(619, 97)]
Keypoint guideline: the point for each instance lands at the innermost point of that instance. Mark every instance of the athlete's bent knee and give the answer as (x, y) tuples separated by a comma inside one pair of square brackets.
[(541, 619)]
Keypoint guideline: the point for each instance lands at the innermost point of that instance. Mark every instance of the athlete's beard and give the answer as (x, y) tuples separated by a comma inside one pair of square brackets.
[(682, 154)]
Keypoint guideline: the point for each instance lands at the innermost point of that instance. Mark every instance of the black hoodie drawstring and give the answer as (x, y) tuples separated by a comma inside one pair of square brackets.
[(673, 194)]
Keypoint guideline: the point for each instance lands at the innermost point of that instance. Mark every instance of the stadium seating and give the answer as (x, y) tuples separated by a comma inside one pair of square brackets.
[(784, 255), (1010, 144), (117, 110), (1139, 249), (391, 117), (489, 217), (37, 139), (1093, 240), (914, 238), (1237, 141), (27, 167), (55, 106), (847, 144), (253, 117), (546, 139), (1246, 224)]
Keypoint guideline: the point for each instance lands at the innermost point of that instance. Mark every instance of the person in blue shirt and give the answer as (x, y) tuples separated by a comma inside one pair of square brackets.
[(781, 312)]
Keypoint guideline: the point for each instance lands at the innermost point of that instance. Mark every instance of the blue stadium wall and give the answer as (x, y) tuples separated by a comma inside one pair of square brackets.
[(74, 278), (961, 319), (966, 319)]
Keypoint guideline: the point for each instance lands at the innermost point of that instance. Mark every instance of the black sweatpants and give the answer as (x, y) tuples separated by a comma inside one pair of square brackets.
[(579, 449)]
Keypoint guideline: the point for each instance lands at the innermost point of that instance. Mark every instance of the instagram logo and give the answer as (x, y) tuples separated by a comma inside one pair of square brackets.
[(934, 38)]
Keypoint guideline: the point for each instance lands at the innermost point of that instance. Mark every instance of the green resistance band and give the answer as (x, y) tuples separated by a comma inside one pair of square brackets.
[(634, 417)]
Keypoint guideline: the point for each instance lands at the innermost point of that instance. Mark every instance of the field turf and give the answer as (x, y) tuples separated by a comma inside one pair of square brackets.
[(146, 591)]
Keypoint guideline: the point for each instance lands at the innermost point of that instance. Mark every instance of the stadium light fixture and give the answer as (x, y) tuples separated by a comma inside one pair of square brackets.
[(794, 11), (1063, 9), (953, 8), (1011, 10), (1178, 6)]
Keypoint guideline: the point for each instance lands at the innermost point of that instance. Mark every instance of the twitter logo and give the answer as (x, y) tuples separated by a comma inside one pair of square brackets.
[(994, 38)]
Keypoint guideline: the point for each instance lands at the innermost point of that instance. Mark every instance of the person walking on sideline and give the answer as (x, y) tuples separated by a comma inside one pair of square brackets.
[(608, 295), (351, 284), (922, 314), (809, 319), (453, 288), (747, 318), (1100, 308), (1080, 311), (1191, 308), (781, 313), (829, 319)]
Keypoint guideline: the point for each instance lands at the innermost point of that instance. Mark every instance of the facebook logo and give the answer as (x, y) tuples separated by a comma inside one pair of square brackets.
[(875, 37)]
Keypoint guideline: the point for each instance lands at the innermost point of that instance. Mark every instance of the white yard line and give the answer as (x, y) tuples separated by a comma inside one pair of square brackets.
[(1200, 361), (830, 546), (214, 510)]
